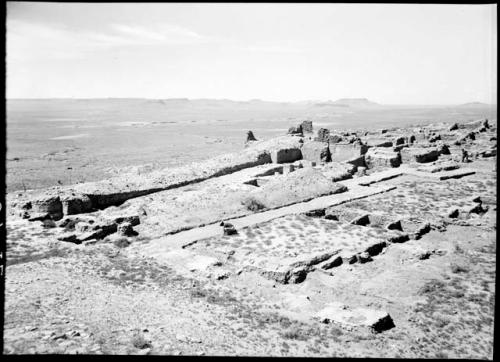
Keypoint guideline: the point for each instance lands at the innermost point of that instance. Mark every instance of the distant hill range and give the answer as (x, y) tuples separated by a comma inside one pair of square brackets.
[(474, 105), (349, 102), (346, 104)]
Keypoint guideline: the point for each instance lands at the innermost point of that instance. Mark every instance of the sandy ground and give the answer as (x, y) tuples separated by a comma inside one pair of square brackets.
[(45, 146), (225, 295)]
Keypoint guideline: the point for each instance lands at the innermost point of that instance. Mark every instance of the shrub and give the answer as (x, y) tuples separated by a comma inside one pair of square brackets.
[(138, 341), (295, 333), (455, 268), (122, 242), (431, 286), (252, 204), (458, 249), (441, 355)]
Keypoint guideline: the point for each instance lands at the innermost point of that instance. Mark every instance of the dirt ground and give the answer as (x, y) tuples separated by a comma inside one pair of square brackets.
[(263, 290), (56, 141)]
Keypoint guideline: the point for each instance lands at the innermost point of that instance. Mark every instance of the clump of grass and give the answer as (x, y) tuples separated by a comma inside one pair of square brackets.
[(432, 286), (458, 249), (253, 204), (442, 355), (295, 333), (122, 242), (198, 293), (455, 268), (138, 341)]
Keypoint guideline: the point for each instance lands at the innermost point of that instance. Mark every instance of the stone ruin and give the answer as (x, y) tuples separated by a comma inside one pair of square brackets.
[(292, 169)]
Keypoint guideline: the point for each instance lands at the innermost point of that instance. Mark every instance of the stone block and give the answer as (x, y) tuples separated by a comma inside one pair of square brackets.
[(419, 154), (381, 158)]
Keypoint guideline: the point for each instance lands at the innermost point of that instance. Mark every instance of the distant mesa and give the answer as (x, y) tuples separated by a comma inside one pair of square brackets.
[(356, 102), (474, 104), (349, 102), (330, 104), (175, 100)]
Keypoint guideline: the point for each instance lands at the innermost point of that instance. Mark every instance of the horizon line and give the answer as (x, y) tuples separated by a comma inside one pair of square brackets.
[(249, 100)]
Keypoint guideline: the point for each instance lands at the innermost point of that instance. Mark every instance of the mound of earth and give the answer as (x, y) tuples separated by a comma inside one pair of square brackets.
[(301, 185)]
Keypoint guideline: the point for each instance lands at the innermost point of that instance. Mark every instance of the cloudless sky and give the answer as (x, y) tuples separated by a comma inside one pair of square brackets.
[(391, 54)]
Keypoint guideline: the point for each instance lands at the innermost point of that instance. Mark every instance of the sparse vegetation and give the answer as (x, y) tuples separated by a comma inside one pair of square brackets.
[(139, 341), (122, 242), (252, 204), (295, 333), (456, 268), (442, 303)]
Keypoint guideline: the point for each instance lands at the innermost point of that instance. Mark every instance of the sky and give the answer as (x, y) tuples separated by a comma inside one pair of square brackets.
[(388, 53)]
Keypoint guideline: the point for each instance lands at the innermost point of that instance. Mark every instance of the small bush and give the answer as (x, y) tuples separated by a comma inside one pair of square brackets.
[(295, 333), (122, 242), (198, 293), (138, 341), (455, 268), (441, 355), (253, 204), (458, 249), (432, 286)]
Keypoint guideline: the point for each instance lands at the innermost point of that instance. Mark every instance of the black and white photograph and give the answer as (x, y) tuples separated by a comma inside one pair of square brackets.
[(250, 179)]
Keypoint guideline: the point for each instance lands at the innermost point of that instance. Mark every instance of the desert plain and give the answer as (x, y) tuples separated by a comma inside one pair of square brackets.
[(336, 229)]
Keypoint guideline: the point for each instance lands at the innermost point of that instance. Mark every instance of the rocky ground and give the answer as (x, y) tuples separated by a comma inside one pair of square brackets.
[(373, 244)]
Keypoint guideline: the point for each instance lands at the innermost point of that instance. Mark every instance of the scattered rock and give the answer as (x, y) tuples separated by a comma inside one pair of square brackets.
[(316, 213), (444, 149), (221, 275), (376, 248), (475, 209), (434, 137), (74, 333), (382, 158), (424, 256), (49, 223), (364, 257), (82, 227), (71, 238), (228, 228), (419, 155), (394, 225), (396, 237), (59, 336), (126, 229), (400, 140), (422, 230), (38, 216), (337, 261), (453, 213), (378, 321)]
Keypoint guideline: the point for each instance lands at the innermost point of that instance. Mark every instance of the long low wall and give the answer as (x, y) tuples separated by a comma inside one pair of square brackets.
[(89, 196)]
